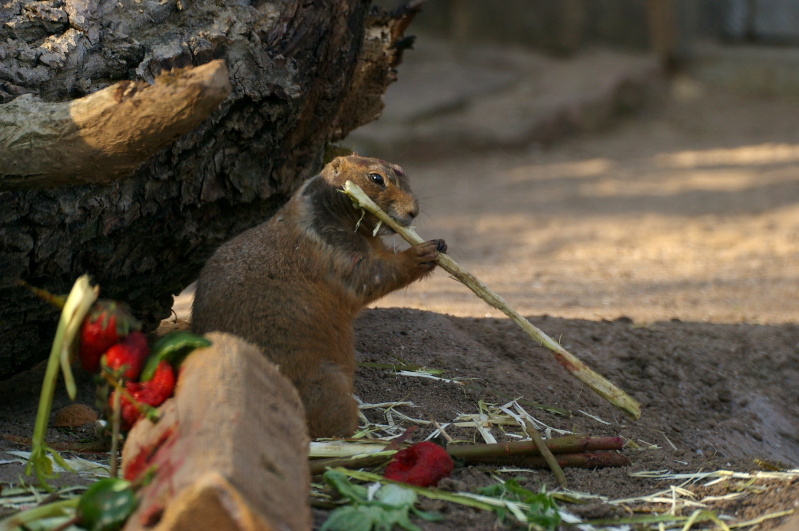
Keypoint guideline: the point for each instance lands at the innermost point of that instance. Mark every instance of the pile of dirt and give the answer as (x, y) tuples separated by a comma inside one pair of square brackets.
[(714, 397)]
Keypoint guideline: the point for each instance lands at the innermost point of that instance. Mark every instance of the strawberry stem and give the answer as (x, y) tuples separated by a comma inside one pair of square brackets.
[(56, 300), (116, 416)]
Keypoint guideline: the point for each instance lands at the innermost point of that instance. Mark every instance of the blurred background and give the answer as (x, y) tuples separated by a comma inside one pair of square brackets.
[(604, 158), (600, 159), (672, 27), (468, 52)]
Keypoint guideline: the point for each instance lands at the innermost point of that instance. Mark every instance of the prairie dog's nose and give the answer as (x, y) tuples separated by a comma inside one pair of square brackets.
[(405, 216)]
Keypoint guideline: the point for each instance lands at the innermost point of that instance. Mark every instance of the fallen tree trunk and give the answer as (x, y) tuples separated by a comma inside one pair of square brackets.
[(303, 74)]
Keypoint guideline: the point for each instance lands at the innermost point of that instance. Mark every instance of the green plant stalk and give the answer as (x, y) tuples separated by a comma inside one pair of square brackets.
[(318, 466), (546, 453), (433, 494), (56, 300), (36, 461), (72, 332), (37, 513), (476, 501), (116, 421), (580, 370)]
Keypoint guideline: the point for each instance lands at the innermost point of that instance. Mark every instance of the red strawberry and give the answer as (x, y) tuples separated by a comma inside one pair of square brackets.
[(422, 464), (152, 393), (107, 322), (131, 352)]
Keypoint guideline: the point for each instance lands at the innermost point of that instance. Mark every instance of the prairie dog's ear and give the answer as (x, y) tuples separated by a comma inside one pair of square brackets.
[(332, 169)]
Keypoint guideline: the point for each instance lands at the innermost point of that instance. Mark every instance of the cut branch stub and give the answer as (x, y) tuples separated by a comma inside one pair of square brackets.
[(104, 136)]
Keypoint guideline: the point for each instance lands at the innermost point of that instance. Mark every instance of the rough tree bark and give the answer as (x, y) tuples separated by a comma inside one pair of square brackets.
[(303, 74)]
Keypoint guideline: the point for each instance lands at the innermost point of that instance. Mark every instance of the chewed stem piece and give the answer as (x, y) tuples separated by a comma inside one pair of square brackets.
[(580, 370)]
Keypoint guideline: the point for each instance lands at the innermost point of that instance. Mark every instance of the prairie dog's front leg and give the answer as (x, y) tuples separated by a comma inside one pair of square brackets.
[(387, 272)]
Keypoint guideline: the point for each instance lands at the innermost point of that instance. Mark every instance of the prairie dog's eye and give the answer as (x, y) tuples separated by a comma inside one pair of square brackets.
[(377, 179)]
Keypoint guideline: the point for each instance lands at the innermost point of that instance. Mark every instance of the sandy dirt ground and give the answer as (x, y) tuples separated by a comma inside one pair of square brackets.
[(662, 251), (689, 211)]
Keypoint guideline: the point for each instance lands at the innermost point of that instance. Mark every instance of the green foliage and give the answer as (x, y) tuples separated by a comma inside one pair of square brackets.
[(172, 348), (106, 505), (369, 509), (541, 511)]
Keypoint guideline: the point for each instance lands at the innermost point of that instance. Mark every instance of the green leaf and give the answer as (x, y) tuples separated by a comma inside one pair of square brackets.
[(430, 516), (351, 518), (172, 348), (541, 508), (106, 505), (45, 517), (395, 496), (391, 506), (341, 483)]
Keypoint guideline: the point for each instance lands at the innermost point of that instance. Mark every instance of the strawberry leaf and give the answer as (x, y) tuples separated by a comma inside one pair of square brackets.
[(541, 511), (172, 348), (106, 504), (394, 496), (391, 506), (340, 482)]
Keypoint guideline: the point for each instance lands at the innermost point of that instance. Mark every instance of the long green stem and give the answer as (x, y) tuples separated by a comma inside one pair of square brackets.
[(38, 461), (546, 453), (71, 332), (116, 421), (580, 370), (49, 510), (433, 494)]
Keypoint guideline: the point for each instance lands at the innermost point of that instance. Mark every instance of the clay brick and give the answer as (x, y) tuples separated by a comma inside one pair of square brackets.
[(230, 448)]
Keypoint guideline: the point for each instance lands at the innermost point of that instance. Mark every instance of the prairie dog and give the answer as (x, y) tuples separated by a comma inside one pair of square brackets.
[(294, 284)]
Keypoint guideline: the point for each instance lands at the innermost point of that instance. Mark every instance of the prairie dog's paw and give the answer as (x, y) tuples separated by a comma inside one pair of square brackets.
[(426, 253)]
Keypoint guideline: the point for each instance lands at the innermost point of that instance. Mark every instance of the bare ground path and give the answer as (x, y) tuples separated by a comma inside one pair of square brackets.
[(689, 211)]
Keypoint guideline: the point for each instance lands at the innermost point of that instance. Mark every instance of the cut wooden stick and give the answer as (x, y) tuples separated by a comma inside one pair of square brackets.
[(557, 445), (590, 447), (580, 370)]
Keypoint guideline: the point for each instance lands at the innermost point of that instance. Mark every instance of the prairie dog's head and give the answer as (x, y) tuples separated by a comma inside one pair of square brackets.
[(385, 183)]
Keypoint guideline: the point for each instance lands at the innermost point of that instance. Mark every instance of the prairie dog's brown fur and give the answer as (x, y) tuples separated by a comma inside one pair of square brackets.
[(294, 284)]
